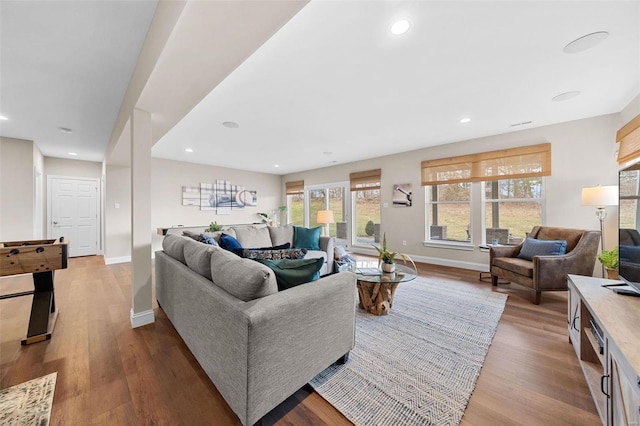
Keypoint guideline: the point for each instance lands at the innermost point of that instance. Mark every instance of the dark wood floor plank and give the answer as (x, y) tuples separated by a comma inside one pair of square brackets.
[(109, 373)]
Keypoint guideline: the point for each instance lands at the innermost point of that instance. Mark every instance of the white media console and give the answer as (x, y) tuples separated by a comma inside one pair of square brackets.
[(604, 328)]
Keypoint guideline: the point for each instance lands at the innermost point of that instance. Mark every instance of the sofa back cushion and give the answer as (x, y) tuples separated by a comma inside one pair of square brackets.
[(281, 234), (253, 236), (198, 257), (245, 279), (173, 245)]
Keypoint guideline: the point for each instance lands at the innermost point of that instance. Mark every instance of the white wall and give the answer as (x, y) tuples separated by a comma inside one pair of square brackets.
[(72, 168), (167, 179), (17, 189), (583, 154)]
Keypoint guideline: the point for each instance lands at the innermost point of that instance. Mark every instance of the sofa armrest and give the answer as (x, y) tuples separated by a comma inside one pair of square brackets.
[(503, 251), (294, 335), (550, 272), (327, 244)]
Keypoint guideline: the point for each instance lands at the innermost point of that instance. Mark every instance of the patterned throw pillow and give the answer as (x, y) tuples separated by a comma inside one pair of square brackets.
[(274, 254)]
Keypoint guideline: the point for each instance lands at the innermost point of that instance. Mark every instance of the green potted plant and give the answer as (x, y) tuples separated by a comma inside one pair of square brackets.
[(213, 227), (386, 257), (609, 259)]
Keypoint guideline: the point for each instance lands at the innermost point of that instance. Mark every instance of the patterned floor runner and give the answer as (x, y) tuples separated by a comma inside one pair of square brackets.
[(28, 403)]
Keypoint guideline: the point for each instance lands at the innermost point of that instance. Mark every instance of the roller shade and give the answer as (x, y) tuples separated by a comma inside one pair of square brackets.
[(629, 139), (295, 187), (521, 162), (368, 179)]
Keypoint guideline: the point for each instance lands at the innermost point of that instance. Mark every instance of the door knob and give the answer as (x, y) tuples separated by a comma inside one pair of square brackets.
[(55, 223)]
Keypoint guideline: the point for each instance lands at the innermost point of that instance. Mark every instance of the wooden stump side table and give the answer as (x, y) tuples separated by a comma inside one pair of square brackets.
[(376, 291)]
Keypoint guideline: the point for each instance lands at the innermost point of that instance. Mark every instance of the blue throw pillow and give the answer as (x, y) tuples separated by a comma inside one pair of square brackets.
[(306, 238), (208, 239), (629, 254), (533, 247), (292, 272), (228, 242)]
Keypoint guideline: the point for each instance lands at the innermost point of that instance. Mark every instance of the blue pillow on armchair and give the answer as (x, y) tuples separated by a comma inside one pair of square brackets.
[(308, 238), (533, 247)]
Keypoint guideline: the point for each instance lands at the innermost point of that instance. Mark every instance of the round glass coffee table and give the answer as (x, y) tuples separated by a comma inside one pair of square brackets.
[(376, 288)]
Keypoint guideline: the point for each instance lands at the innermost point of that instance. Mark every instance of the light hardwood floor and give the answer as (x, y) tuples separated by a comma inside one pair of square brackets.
[(109, 373)]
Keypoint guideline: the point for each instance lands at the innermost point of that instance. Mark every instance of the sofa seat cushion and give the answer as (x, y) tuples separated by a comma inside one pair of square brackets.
[(242, 278), (253, 236), (293, 272), (198, 257), (173, 245), (514, 264), (281, 234)]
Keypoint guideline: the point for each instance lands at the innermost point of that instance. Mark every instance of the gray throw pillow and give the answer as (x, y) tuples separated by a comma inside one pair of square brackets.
[(245, 279)]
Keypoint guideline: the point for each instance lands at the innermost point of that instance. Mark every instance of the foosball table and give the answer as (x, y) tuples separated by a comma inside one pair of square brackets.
[(40, 258)]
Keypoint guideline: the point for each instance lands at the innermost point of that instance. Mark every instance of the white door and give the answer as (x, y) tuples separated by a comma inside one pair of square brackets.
[(73, 213)]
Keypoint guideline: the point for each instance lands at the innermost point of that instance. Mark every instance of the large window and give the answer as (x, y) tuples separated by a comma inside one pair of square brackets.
[(317, 202), (450, 211), (295, 202), (629, 199), (512, 180), (365, 193), (512, 208)]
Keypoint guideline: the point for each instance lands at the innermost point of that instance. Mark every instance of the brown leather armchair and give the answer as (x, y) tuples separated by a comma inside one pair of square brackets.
[(548, 272)]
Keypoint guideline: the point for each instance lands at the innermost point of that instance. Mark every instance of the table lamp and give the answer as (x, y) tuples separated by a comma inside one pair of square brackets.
[(325, 217)]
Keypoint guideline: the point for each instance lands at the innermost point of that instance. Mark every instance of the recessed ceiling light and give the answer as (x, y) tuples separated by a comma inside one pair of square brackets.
[(565, 96), (65, 129), (231, 124), (586, 42), (400, 27), (465, 120), (73, 153), (2, 117), (276, 165), (188, 150)]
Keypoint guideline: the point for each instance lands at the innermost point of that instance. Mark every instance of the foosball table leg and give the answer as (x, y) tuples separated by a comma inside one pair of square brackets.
[(43, 309)]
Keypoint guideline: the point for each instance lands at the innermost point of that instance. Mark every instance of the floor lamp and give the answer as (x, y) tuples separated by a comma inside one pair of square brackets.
[(324, 217), (600, 196)]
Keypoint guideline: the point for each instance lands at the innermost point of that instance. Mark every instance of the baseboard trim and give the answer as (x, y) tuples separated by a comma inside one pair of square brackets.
[(114, 260), (142, 318)]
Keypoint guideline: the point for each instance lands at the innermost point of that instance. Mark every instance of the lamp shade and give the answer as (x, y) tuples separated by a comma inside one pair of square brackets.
[(324, 217), (600, 196)]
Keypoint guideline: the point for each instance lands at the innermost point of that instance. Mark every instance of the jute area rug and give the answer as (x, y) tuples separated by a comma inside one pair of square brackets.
[(419, 364), (28, 403)]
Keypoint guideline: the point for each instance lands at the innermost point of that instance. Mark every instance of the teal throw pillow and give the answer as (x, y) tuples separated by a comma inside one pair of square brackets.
[(533, 247), (308, 238), (292, 272)]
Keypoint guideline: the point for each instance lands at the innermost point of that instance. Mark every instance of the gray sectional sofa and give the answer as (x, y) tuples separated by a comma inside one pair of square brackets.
[(257, 345), (259, 235)]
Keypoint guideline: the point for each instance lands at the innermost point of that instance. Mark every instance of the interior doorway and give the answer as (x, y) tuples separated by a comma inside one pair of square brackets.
[(73, 212)]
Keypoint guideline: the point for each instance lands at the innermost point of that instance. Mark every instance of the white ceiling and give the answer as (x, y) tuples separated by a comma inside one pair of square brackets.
[(332, 85), (67, 64)]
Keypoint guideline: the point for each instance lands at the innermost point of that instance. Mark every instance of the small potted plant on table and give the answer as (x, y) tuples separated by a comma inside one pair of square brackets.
[(386, 257)]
